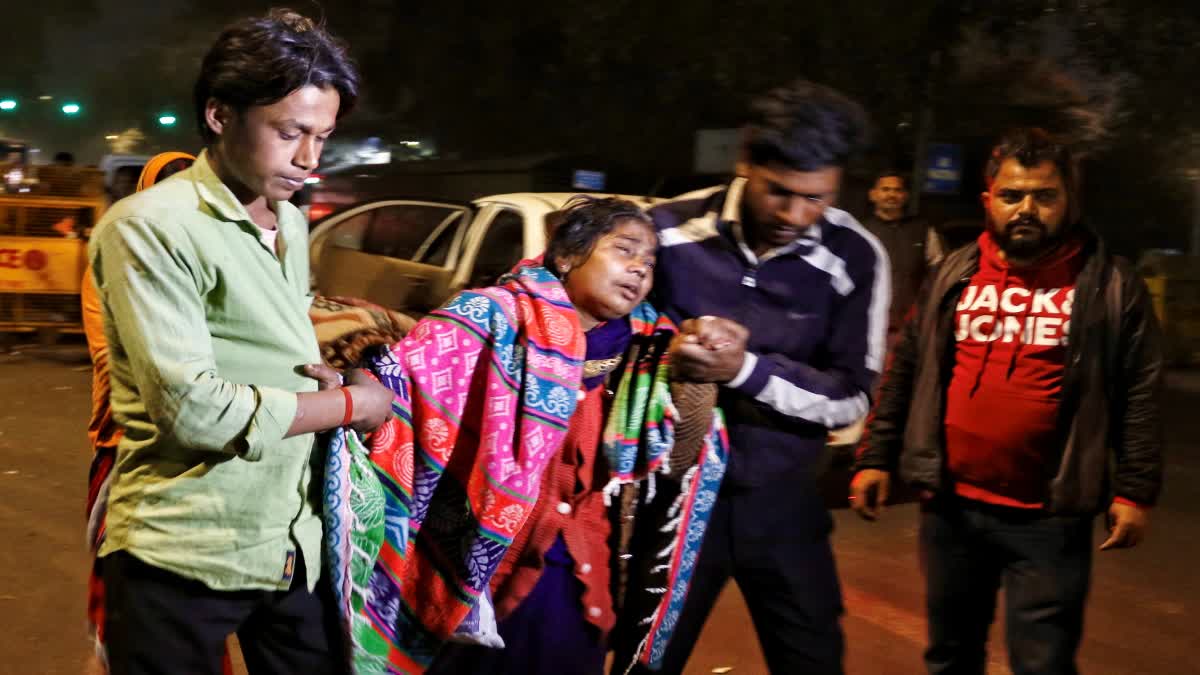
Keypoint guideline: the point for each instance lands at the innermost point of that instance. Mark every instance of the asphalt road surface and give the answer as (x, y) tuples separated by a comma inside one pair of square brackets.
[(1142, 617)]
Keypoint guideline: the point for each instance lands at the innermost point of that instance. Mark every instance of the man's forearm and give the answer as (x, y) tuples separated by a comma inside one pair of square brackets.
[(324, 410), (799, 390)]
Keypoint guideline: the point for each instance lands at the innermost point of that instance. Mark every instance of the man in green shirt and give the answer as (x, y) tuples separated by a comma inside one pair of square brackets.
[(214, 508)]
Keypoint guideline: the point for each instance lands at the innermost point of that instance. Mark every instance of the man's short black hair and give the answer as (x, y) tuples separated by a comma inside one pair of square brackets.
[(1031, 146), (804, 127), (259, 61), (582, 223), (891, 173)]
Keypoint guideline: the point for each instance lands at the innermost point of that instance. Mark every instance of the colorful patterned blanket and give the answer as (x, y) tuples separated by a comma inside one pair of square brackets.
[(417, 522), (663, 492), (348, 327), (417, 525)]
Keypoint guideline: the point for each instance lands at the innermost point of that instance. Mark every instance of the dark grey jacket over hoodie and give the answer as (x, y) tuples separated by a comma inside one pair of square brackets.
[(1111, 436)]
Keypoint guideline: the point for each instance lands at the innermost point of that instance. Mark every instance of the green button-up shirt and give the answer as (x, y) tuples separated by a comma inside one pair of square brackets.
[(206, 327)]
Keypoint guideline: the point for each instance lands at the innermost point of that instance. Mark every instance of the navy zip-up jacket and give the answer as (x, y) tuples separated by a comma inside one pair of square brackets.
[(817, 312)]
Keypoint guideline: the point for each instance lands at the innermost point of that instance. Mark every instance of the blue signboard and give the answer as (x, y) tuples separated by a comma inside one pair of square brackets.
[(943, 169), (588, 180)]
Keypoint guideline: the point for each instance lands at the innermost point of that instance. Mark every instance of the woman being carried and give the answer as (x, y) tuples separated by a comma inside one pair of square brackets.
[(493, 480)]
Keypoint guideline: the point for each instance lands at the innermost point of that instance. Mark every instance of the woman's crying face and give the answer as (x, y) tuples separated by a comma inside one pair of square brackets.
[(616, 275)]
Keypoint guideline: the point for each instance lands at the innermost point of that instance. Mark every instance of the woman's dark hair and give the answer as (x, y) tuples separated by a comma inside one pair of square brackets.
[(582, 223), (804, 127), (258, 61)]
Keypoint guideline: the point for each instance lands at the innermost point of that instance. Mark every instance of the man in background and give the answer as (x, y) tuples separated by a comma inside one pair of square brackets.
[(912, 244)]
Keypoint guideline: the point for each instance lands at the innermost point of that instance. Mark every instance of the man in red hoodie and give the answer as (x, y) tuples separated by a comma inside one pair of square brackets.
[(1022, 401)]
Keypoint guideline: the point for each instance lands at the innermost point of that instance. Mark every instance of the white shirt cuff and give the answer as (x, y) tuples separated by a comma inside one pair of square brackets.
[(748, 362)]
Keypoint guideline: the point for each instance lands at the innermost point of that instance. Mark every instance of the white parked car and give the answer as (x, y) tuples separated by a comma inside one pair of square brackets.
[(413, 255)]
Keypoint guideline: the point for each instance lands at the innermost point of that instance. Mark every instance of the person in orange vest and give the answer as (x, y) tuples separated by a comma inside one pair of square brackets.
[(103, 431)]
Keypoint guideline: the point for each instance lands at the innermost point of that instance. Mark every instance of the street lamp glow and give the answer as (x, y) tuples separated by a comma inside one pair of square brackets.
[(70, 109), (8, 104), (45, 98), (166, 120), (111, 137)]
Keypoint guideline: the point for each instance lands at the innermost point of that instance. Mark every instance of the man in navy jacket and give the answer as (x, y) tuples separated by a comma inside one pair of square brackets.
[(798, 292)]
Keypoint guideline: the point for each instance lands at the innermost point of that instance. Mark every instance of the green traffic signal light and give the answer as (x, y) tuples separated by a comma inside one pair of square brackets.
[(70, 108), (167, 120), (8, 104)]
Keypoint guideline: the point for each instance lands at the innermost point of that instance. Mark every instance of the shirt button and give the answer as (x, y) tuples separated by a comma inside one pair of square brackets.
[(585, 568), (594, 612), (564, 508)]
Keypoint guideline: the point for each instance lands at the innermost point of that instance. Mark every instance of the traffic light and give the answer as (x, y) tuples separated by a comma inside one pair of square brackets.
[(167, 120), (70, 108), (7, 104)]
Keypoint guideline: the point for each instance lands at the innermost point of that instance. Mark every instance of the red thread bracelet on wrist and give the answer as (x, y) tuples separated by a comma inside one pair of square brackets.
[(349, 407)]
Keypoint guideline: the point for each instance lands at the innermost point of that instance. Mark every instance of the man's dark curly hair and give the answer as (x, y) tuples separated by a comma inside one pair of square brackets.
[(583, 222), (804, 127), (260, 60), (1031, 146)]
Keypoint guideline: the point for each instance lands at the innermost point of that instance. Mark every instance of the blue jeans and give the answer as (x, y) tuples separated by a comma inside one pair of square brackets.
[(969, 551)]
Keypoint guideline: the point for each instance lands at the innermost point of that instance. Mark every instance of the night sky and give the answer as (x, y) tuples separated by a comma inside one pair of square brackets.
[(634, 80)]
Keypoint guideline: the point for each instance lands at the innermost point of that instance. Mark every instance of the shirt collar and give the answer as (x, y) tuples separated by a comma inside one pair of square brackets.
[(219, 197), (731, 213), (214, 193), (225, 206)]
